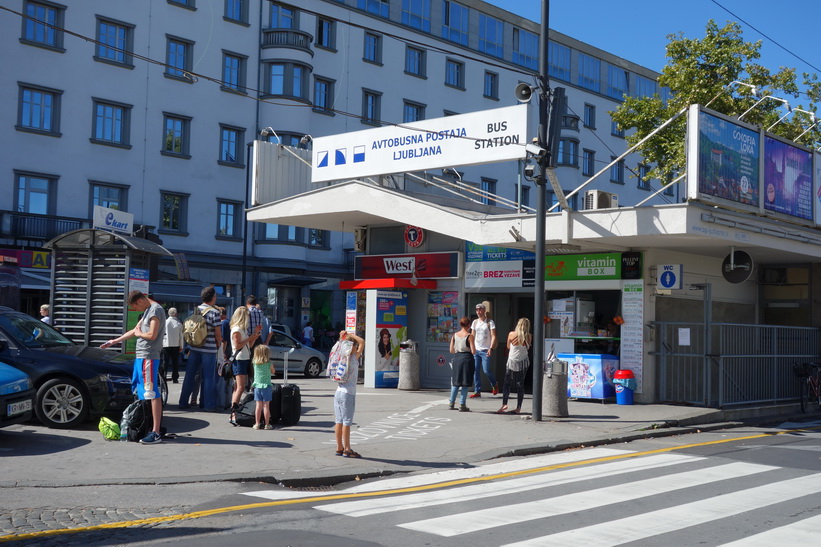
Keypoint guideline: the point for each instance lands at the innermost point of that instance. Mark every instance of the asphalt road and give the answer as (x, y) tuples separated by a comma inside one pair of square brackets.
[(756, 486)]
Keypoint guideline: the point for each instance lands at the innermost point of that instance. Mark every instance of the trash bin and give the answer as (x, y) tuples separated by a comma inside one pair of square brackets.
[(554, 389), (625, 385), (408, 366)]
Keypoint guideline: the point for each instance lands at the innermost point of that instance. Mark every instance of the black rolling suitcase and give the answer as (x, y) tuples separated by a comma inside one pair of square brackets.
[(291, 404), (276, 403)]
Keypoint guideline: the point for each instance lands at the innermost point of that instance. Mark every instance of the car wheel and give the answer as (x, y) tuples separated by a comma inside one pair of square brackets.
[(61, 403), (313, 368)]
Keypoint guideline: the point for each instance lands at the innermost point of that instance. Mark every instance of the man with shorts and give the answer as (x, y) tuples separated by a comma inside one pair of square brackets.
[(149, 334)]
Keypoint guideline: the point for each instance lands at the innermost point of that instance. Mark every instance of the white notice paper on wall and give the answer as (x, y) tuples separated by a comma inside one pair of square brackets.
[(683, 337)]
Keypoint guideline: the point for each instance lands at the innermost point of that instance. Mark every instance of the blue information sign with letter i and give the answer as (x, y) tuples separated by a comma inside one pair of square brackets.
[(669, 276)]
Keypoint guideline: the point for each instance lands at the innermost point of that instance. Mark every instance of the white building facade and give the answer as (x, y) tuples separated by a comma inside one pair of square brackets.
[(148, 107)]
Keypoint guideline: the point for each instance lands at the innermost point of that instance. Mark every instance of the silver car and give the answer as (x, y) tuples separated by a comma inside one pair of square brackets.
[(301, 359)]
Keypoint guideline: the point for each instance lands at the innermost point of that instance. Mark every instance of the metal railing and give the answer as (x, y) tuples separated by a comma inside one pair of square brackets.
[(277, 37), (748, 364), (31, 227)]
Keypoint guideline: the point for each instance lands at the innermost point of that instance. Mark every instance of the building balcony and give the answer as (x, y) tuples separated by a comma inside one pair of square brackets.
[(287, 38), (34, 230)]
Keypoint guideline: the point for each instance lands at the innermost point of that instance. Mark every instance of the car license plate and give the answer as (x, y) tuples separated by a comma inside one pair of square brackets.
[(18, 408)]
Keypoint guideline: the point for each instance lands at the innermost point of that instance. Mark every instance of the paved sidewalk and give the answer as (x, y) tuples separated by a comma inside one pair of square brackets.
[(395, 431)]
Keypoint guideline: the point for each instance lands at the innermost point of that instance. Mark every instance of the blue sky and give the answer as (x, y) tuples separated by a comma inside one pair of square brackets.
[(637, 29)]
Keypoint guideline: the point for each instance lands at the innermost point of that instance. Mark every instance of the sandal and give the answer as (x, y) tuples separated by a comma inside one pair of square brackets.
[(502, 410), (339, 453), (351, 454), (514, 412)]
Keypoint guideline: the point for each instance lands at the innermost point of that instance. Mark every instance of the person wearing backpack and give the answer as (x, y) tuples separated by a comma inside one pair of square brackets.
[(149, 333), (345, 396), (203, 336)]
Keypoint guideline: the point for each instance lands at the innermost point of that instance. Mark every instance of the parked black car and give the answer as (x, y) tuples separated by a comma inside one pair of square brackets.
[(73, 382)]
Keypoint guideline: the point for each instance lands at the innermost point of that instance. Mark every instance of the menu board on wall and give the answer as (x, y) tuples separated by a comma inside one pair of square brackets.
[(443, 315), (632, 341)]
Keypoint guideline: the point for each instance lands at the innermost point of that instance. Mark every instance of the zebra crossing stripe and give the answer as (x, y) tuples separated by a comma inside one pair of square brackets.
[(425, 479), (361, 508), (803, 532), (474, 521), (654, 523)]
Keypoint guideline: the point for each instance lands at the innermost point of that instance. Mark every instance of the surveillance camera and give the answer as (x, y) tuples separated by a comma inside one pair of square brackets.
[(535, 150), (530, 171)]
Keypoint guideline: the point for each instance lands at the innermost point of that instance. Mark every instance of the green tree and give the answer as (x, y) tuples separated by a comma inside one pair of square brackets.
[(701, 72)]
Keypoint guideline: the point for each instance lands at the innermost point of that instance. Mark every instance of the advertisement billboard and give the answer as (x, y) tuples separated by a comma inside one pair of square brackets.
[(788, 188), (723, 160)]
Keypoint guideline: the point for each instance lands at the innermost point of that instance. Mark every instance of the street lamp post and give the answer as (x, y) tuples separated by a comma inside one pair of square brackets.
[(541, 207)]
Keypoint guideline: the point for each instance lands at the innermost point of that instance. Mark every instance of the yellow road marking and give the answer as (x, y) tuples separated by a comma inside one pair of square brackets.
[(412, 489)]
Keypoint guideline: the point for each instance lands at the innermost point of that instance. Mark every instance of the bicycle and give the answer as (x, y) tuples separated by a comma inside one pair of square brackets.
[(809, 384)]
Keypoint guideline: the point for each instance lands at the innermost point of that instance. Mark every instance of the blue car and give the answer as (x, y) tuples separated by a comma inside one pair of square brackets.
[(73, 382), (16, 396)]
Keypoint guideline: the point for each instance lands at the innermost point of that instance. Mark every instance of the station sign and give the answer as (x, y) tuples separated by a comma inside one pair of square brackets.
[(488, 136)]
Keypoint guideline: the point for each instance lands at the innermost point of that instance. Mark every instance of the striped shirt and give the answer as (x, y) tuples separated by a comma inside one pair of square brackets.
[(212, 319)]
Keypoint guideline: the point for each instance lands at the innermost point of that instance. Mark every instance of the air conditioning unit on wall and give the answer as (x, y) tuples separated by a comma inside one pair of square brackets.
[(597, 199)]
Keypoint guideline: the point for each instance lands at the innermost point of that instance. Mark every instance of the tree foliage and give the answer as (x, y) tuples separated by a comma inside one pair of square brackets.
[(702, 72)]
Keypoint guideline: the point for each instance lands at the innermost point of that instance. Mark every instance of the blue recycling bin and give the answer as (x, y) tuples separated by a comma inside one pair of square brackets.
[(625, 385)]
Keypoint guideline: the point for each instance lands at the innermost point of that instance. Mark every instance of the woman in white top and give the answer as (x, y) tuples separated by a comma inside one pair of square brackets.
[(518, 343), (241, 342)]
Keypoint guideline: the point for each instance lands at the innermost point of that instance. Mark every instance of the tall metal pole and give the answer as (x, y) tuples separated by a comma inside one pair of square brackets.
[(541, 207)]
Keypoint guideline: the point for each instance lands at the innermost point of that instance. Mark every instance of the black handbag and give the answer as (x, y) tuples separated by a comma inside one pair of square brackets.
[(226, 368)]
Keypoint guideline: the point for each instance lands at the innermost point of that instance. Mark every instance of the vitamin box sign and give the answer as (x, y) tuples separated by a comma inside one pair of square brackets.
[(584, 267)]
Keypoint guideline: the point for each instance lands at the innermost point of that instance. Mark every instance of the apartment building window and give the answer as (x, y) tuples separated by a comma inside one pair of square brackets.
[(115, 42), (110, 196), (176, 135), (318, 238), (615, 130), (281, 232), (488, 191), (455, 18), (183, 3), (568, 152), (416, 14), (412, 112), (35, 193), (232, 145), (618, 82), (288, 79), (179, 57), (234, 71), (371, 107), (236, 11), (455, 74), (283, 17), (558, 61), (645, 87), (42, 23), (325, 34), (617, 171), (491, 85), (525, 49), (589, 76), (373, 48), (381, 8), (323, 95), (643, 182), (39, 110), (415, 61), (590, 116), (588, 163), (174, 213), (228, 219), (525, 195), (112, 123), (491, 37), (552, 200)]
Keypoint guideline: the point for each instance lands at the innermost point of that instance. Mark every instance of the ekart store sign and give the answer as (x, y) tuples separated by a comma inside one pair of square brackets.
[(497, 267)]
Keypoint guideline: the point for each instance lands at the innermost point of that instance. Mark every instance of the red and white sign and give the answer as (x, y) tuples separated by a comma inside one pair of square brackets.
[(414, 236), (426, 265)]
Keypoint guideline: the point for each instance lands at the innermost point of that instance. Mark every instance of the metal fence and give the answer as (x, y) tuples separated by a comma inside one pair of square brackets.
[(736, 364)]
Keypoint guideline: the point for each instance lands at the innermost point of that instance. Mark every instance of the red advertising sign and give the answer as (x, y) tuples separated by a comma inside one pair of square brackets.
[(426, 265), (414, 236)]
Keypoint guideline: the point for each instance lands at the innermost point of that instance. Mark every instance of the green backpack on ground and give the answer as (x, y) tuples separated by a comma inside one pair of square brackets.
[(109, 429)]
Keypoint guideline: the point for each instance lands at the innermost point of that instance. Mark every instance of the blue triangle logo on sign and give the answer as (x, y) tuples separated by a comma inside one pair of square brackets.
[(322, 158), (341, 157)]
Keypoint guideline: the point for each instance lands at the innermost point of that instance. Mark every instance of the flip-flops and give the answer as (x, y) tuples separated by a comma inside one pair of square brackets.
[(351, 454), (339, 452)]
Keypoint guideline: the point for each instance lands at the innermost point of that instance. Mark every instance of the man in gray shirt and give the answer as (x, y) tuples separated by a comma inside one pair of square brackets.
[(149, 334)]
